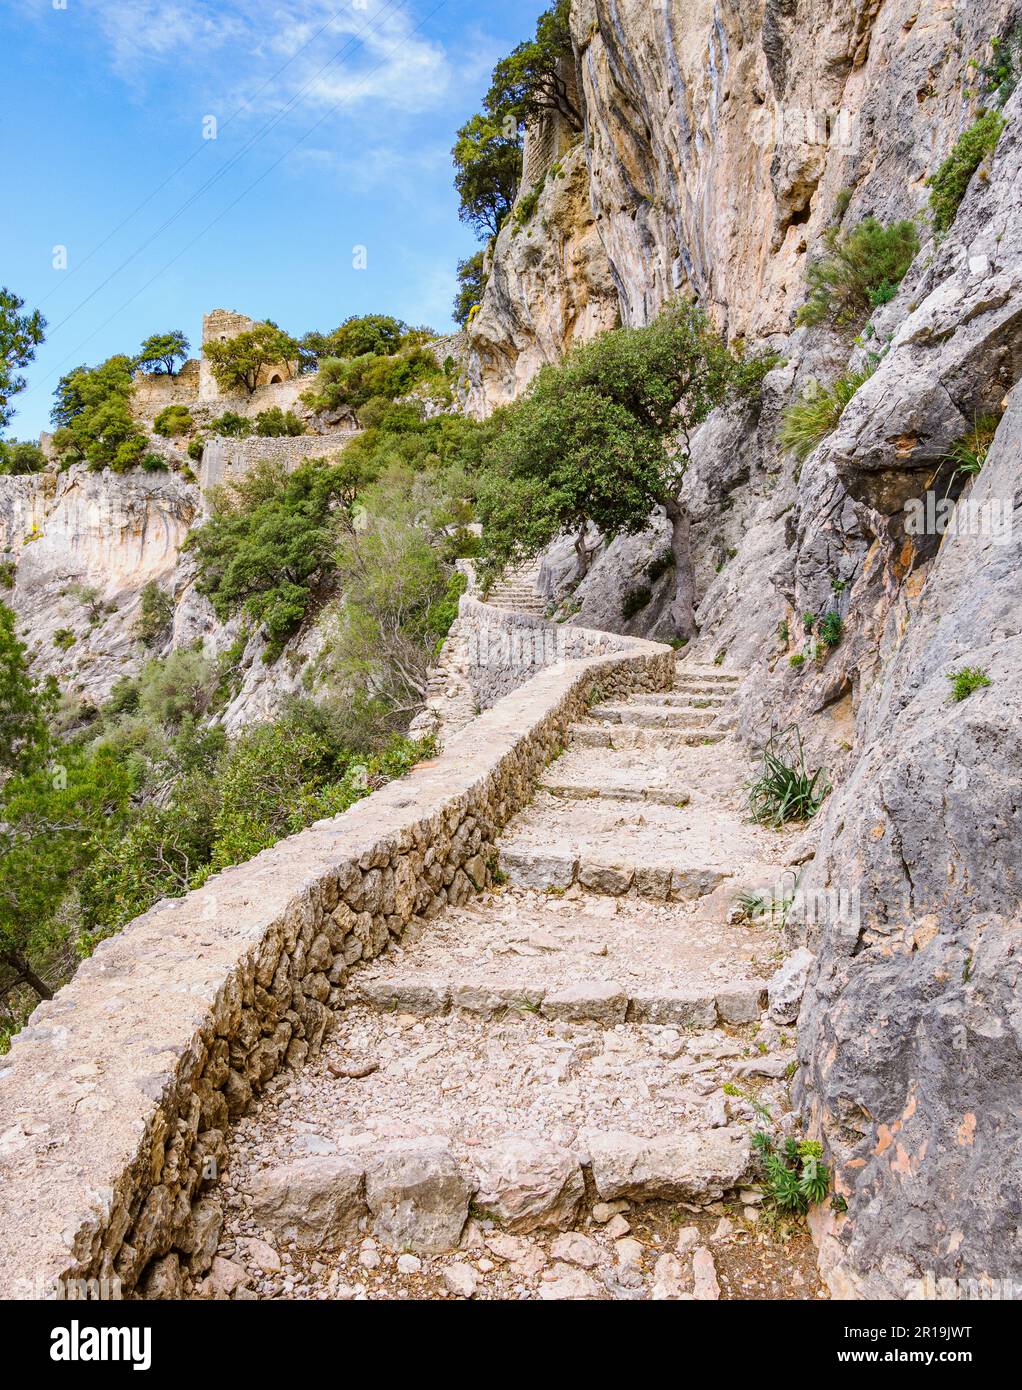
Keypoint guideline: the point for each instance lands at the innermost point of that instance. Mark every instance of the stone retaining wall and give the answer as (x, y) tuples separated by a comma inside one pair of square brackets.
[(117, 1101), (226, 460)]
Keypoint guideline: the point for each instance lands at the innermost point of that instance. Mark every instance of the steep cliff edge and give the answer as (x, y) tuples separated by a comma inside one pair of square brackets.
[(722, 139)]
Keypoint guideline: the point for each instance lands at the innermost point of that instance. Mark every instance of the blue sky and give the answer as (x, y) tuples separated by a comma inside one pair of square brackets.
[(335, 120)]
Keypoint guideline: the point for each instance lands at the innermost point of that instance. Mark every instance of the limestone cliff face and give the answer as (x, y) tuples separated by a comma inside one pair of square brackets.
[(719, 135), (550, 285)]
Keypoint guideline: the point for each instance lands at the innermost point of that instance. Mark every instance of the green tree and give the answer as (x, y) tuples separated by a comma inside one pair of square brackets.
[(606, 437), (471, 283), (488, 165), (21, 456), (20, 335), (92, 412), (530, 81), (275, 422), (161, 351), (379, 335), (55, 820), (24, 705), (268, 545), (353, 381), (237, 362)]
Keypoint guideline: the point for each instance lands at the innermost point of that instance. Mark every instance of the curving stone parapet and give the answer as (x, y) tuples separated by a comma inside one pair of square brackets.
[(117, 1101)]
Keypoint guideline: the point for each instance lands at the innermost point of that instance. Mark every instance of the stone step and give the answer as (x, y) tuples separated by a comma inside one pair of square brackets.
[(652, 716), (587, 958), (409, 1123), (616, 791), (702, 672), (630, 735), (606, 1003), (532, 866), (704, 685), (685, 699)]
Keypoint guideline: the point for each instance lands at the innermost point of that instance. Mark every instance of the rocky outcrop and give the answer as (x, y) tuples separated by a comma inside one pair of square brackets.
[(549, 286)]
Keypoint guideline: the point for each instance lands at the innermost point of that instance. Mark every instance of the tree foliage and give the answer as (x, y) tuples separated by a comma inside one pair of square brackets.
[(21, 456), (20, 335), (161, 351), (488, 164), (236, 363), (351, 382), (471, 284), (605, 437), (529, 81), (269, 543), (92, 412)]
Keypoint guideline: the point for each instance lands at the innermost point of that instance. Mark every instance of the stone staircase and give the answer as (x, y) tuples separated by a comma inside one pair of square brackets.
[(517, 591), (523, 1097)]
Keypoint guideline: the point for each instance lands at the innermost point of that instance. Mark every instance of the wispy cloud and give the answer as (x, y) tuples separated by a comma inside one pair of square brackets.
[(311, 54)]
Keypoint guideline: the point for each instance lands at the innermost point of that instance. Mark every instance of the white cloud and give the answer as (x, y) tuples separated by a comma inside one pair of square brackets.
[(309, 54)]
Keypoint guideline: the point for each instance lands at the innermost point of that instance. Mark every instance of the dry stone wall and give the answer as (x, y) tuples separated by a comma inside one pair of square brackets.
[(118, 1098)]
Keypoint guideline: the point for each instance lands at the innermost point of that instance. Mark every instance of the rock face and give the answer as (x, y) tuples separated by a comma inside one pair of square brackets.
[(550, 285), (722, 140)]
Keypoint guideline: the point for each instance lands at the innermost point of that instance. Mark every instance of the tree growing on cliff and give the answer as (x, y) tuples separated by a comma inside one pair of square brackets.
[(471, 283), (20, 335), (92, 412), (606, 437), (530, 81), (161, 351), (236, 363), (488, 167)]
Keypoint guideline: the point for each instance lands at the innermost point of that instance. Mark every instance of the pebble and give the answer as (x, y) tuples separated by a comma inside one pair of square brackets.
[(409, 1264), (460, 1280), (617, 1227)]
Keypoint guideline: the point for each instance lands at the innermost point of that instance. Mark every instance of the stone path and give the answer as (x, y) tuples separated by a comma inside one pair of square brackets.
[(525, 1100)]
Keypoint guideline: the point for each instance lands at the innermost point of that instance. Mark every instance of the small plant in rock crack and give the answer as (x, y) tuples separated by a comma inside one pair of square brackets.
[(786, 790), (832, 626), (794, 1174), (965, 681), (758, 906), (596, 695), (969, 454), (797, 659)]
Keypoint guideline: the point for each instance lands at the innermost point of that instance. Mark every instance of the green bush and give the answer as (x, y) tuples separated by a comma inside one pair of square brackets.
[(155, 613), (965, 681), (950, 183), (231, 424), (173, 420), (64, 639), (356, 381), (269, 544), (20, 456), (195, 448), (832, 627), (276, 422), (785, 789), (525, 208), (860, 270), (153, 463), (807, 423), (969, 454), (8, 573)]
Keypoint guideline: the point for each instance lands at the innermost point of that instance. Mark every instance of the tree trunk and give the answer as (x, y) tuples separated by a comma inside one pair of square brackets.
[(582, 551), (683, 607), (27, 975)]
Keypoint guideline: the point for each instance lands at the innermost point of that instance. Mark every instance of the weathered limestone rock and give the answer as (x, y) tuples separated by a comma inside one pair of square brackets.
[(527, 1182), (418, 1196), (787, 985), (695, 1167), (312, 1202)]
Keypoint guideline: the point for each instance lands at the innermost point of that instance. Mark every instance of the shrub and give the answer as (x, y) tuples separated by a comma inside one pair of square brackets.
[(860, 270), (20, 456), (832, 626), (965, 681), (8, 573), (64, 639), (950, 183), (276, 422), (527, 204), (195, 448), (1001, 75), (794, 1174), (181, 685), (153, 463), (231, 424), (356, 381), (807, 423), (796, 659), (155, 614), (173, 420), (785, 789), (269, 543)]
